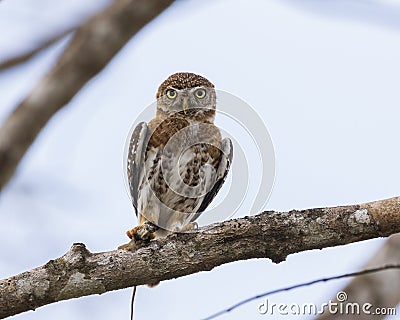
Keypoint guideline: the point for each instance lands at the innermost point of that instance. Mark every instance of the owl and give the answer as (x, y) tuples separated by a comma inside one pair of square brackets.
[(178, 161)]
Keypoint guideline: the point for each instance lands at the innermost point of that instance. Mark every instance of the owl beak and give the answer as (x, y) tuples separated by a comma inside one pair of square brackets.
[(185, 104)]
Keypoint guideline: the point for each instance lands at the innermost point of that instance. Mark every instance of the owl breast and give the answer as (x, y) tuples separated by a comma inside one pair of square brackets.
[(179, 170)]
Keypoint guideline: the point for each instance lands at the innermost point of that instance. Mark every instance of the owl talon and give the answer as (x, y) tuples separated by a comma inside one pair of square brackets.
[(195, 225), (143, 232)]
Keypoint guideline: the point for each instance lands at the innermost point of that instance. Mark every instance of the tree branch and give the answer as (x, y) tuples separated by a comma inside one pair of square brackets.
[(270, 234), (94, 44), (23, 57)]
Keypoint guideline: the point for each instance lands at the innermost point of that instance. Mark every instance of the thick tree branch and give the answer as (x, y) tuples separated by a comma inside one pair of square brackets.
[(94, 44), (271, 235)]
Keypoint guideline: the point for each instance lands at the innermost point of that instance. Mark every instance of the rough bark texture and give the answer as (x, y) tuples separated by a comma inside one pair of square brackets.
[(380, 289), (271, 235), (94, 44)]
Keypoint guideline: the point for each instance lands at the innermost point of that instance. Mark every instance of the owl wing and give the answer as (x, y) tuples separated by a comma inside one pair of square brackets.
[(222, 171), (136, 155)]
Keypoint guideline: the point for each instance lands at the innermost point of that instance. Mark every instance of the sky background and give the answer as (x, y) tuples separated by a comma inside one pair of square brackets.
[(323, 76)]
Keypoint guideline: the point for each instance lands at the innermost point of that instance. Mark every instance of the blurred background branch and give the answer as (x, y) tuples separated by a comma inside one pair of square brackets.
[(271, 234), (94, 44), (379, 289), (16, 60)]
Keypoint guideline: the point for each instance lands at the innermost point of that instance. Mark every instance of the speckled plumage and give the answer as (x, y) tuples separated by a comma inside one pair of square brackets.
[(178, 161)]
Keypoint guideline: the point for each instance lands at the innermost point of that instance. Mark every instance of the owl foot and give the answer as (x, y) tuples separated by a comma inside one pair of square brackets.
[(140, 235), (143, 232), (128, 246)]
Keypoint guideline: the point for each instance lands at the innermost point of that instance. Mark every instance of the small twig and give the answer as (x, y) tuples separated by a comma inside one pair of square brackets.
[(8, 63), (133, 300), (305, 284)]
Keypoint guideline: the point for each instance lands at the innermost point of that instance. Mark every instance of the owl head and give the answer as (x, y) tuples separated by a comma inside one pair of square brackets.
[(188, 95)]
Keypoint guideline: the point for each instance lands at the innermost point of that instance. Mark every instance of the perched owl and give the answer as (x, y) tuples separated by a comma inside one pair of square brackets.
[(178, 161)]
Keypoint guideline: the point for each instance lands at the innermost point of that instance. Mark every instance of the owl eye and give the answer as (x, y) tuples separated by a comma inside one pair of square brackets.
[(171, 93), (200, 93)]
